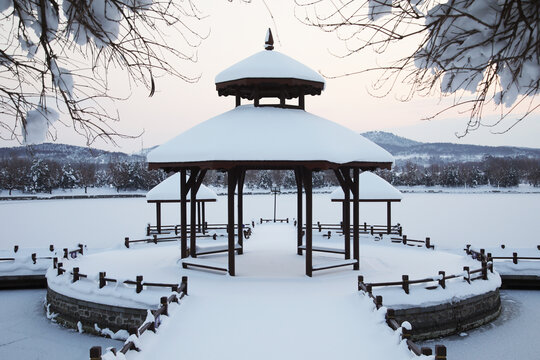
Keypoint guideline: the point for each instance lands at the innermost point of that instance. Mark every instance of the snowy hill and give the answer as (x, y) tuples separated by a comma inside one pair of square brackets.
[(405, 149), (66, 154)]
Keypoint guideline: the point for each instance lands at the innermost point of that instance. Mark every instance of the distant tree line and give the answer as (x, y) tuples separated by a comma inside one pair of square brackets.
[(42, 176)]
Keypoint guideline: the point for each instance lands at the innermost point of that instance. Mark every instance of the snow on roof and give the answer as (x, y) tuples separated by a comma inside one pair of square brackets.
[(169, 189), (269, 64), (249, 133), (372, 187)]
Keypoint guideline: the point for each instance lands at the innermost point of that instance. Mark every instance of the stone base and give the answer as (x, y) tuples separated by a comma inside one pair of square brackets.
[(70, 311), (452, 317)]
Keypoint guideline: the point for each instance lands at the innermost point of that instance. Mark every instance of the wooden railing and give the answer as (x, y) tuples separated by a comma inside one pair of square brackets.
[(152, 229), (440, 278), (364, 228), (405, 240), (440, 350), (67, 253), (151, 325), (262, 220), (483, 256)]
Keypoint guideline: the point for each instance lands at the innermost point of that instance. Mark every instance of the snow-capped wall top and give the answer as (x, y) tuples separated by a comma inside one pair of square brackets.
[(249, 133), (268, 64), (372, 187), (169, 189)]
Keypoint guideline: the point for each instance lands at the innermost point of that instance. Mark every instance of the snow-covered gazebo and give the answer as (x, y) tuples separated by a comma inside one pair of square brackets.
[(168, 191), (373, 188), (279, 135)]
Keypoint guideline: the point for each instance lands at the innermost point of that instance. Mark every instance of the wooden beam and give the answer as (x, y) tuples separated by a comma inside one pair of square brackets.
[(183, 215), (299, 210), (307, 177), (232, 179), (240, 216), (356, 218)]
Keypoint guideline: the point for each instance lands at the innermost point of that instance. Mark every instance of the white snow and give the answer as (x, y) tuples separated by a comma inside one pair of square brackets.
[(37, 125), (372, 187), (169, 189), (289, 135), (269, 64)]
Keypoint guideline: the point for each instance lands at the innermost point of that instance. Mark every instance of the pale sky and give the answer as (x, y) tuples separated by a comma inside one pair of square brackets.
[(236, 31)]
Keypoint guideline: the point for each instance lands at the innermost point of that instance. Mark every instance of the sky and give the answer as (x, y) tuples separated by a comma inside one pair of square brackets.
[(236, 30)]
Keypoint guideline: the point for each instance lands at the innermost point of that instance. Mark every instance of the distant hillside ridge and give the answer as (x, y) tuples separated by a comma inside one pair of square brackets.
[(64, 153), (404, 150)]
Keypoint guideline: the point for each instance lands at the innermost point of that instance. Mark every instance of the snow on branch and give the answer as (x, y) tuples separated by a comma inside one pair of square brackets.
[(57, 58), (477, 52)]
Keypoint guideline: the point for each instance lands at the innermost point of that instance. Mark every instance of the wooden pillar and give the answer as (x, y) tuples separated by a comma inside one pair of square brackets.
[(232, 178), (238, 101), (241, 177), (299, 211), (158, 216), (309, 220), (356, 218), (204, 218), (388, 216), (192, 213), (199, 229), (183, 215), (347, 218)]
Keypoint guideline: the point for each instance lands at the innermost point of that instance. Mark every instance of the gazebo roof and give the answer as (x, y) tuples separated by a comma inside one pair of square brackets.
[(169, 191), (269, 73), (372, 188), (269, 137)]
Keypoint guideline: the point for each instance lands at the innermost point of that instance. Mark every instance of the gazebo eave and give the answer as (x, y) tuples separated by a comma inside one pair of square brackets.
[(268, 165)]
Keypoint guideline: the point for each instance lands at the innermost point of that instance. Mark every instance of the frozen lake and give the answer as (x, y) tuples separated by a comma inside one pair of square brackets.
[(451, 220)]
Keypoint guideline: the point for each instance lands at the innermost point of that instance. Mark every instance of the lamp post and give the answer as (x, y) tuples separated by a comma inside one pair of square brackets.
[(275, 190)]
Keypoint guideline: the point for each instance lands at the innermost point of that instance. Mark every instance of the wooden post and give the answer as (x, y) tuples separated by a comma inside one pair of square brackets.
[(360, 281), (102, 281), (139, 285), (299, 210), (240, 215), (183, 215), (51, 248), (192, 215), (356, 218), (158, 217), (309, 220), (204, 218), (440, 352), (238, 101), (378, 301), (428, 243), (467, 277), (15, 248), (404, 239), (126, 242), (426, 351), (165, 305), (388, 217), (59, 268), (185, 282), (95, 353), (405, 285), (232, 178), (442, 280), (199, 224), (76, 276), (515, 258), (347, 217), (34, 257)]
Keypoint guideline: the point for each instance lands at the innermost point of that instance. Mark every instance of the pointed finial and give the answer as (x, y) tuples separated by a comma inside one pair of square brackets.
[(269, 41)]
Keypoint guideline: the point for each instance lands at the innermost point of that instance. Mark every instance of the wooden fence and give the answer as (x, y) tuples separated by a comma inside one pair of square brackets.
[(67, 253), (483, 256), (151, 325), (152, 229), (405, 240), (440, 350), (364, 228)]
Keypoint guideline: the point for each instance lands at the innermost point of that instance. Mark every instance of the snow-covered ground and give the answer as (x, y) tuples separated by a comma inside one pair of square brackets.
[(451, 220)]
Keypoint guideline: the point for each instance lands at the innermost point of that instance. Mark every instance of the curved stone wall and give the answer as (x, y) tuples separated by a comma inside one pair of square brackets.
[(70, 311), (451, 318)]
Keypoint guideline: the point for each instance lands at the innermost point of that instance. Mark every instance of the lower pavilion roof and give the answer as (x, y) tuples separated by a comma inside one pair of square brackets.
[(169, 191), (269, 137), (372, 188)]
